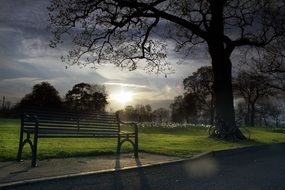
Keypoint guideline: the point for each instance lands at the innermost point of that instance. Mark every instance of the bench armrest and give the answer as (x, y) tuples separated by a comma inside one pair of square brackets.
[(31, 118)]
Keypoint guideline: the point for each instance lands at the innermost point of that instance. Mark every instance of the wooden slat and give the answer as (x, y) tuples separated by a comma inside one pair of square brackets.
[(70, 124), (98, 124), (99, 127), (57, 122), (74, 132), (54, 125), (77, 136)]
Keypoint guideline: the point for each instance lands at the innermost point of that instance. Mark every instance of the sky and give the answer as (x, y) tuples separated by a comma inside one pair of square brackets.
[(26, 59)]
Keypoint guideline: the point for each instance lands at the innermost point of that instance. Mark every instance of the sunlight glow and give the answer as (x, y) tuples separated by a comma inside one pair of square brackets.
[(123, 97)]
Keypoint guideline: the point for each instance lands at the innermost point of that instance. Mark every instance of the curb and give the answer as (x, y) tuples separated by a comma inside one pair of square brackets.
[(195, 157), (229, 152)]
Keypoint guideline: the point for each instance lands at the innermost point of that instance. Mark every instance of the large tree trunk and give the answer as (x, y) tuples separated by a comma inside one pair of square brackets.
[(225, 127), (225, 115)]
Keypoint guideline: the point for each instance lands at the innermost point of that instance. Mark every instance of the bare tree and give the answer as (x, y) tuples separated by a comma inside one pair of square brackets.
[(271, 111), (123, 31), (272, 64), (252, 87)]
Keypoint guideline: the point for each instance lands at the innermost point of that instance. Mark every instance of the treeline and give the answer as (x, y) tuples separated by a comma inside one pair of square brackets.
[(82, 97), (258, 100), (144, 113)]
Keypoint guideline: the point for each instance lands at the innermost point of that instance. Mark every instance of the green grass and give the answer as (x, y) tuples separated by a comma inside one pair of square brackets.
[(175, 142)]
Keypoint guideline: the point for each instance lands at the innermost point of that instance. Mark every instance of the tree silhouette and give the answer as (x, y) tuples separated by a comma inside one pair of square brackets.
[(161, 114), (85, 97), (272, 65), (252, 87), (43, 95), (200, 84), (121, 31)]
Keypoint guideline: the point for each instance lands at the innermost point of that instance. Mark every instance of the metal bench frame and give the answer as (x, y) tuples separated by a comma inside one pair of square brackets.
[(32, 123)]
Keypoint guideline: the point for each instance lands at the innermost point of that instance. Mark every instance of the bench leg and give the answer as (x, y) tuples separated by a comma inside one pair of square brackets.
[(136, 146), (20, 150), (133, 142), (22, 144), (34, 151), (119, 145)]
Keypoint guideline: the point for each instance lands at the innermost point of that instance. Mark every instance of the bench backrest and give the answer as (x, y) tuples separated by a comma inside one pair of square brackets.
[(71, 122)]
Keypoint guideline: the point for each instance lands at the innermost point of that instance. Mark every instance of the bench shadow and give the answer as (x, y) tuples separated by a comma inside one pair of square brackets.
[(140, 176), (144, 183), (7, 164), (17, 171), (117, 182)]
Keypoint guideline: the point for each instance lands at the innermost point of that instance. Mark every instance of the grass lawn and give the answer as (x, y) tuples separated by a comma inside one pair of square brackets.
[(175, 142)]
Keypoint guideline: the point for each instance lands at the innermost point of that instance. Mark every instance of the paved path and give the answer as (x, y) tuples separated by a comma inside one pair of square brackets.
[(255, 169), (18, 172)]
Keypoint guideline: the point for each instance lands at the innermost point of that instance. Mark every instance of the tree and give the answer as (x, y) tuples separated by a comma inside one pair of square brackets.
[(200, 85), (271, 111), (191, 107), (127, 114), (252, 87), (43, 95), (161, 114), (139, 113), (86, 97), (184, 108), (177, 109), (272, 65), (122, 31)]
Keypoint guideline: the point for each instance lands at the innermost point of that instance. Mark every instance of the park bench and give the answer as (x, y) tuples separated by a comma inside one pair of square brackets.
[(57, 124)]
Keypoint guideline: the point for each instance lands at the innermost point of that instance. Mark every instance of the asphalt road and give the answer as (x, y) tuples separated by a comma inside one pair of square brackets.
[(254, 169)]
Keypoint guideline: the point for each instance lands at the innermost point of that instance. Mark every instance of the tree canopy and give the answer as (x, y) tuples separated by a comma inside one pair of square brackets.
[(43, 95), (124, 33), (86, 97), (200, 84)]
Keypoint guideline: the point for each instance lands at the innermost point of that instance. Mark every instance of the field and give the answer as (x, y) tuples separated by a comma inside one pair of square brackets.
[(177, 141)]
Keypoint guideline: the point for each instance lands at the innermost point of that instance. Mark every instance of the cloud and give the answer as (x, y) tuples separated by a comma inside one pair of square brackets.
[(19, 80), (27, 59), (125, 85)]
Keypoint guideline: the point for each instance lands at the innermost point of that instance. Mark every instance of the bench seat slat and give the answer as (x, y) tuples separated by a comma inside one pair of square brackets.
[(76, 136), (54, 125), (72, 130), (98, 121), (112, 125), (87, 135), (98, 127), (75, 119), (62, 116), (66, 113)]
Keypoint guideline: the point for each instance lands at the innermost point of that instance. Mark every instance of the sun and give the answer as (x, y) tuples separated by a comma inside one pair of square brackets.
[(123, 97)]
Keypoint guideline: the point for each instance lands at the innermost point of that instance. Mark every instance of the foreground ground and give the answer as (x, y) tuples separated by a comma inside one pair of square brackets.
[(182, 142), (13, 172), (256, 168)]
